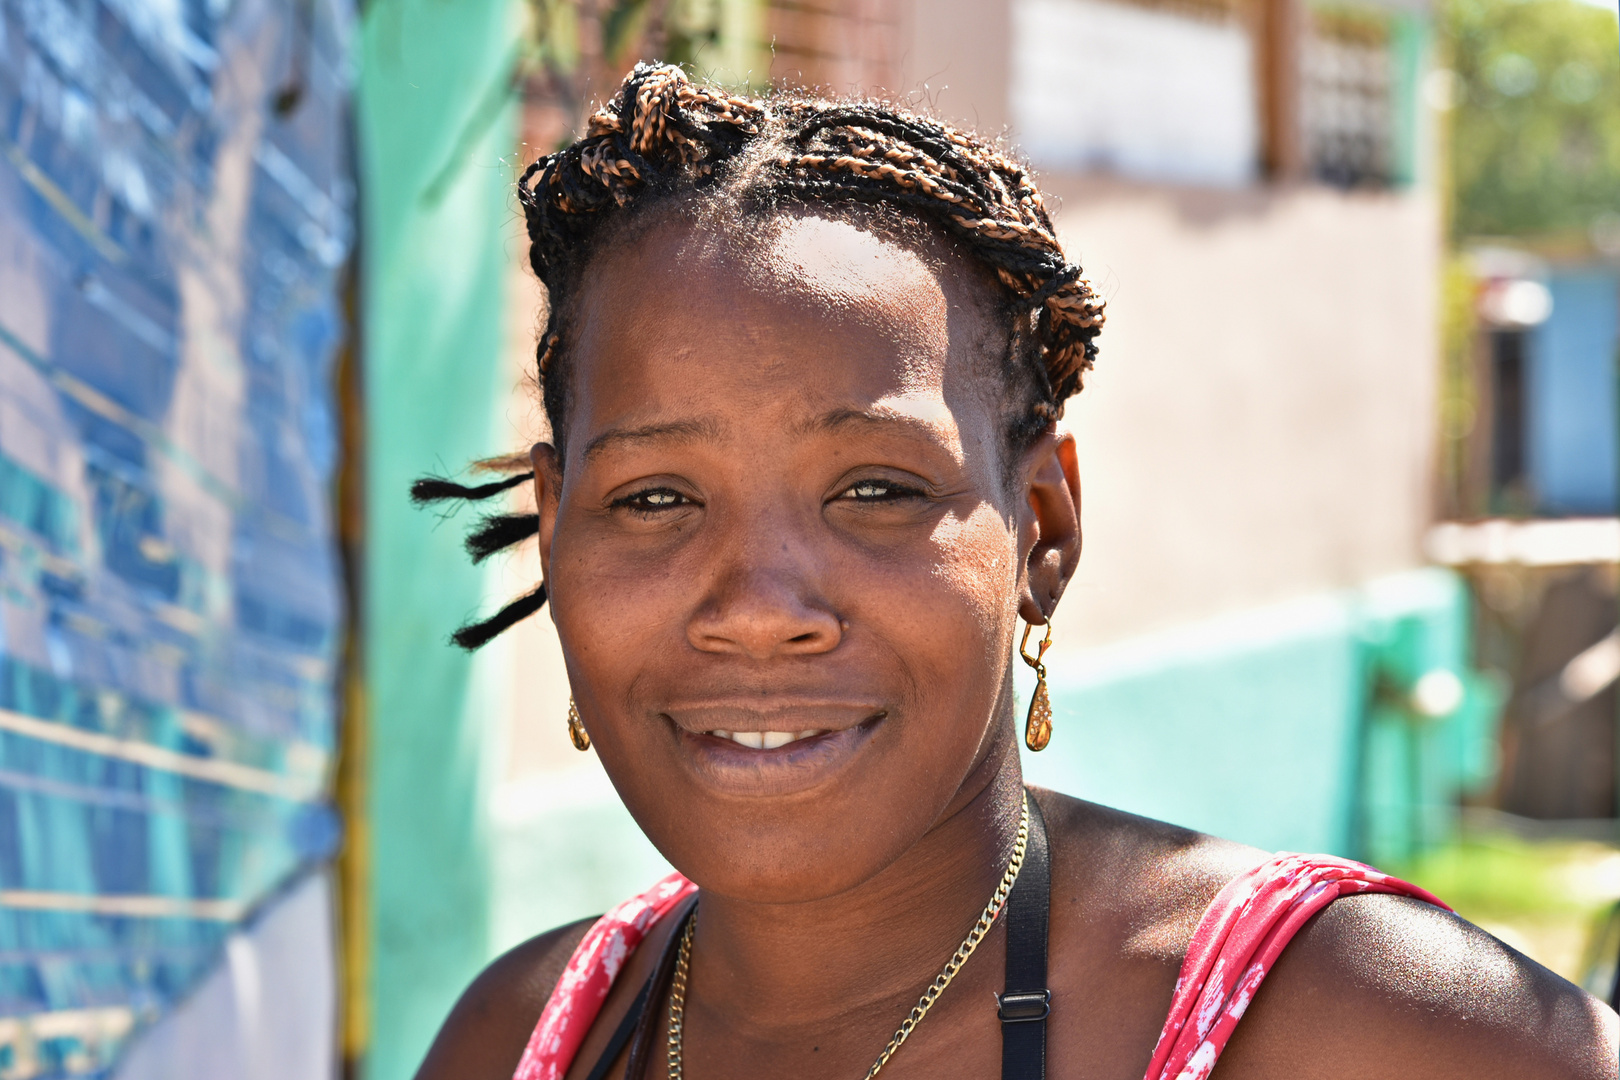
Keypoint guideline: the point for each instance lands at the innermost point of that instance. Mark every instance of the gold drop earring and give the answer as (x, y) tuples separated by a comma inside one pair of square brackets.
[(576, 727), (1038, 728)]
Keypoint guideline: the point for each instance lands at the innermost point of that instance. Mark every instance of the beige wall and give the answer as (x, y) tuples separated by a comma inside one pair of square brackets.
[(1261, 421), (955, 58)]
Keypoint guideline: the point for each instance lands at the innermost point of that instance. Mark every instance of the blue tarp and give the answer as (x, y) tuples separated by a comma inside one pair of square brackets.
[(176, 206)]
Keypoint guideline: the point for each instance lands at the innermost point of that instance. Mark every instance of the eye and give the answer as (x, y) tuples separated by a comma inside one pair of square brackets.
[(652, 500), (875, 490)]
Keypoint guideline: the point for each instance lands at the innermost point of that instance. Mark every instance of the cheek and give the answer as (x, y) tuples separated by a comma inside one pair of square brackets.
[(613, 608), (976, 565), (946, 618)]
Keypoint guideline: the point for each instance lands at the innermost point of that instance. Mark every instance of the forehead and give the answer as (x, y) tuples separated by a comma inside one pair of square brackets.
[(801, 312)]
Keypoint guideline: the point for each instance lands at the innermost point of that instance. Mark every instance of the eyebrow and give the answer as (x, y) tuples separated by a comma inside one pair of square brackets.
[(676, 431), (839, 419)]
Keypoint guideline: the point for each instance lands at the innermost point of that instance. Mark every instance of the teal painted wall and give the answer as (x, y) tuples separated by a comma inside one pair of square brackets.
[(564, 848), (1287, 727), (1217, 725), (436, 124), (1411, 40)]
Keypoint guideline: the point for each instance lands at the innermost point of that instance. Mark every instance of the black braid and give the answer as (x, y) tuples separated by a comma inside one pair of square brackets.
[(476, 635), (428, 489), (497, 532)]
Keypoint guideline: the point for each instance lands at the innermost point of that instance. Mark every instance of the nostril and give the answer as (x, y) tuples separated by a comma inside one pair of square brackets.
[(802, 638)]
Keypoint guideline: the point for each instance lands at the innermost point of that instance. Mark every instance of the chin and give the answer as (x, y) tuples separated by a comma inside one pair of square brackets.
[(784, 849), (795, 861)]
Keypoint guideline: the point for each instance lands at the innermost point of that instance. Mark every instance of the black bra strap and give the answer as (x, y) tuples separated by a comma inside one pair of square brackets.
[(641, 1022), (622, 1033), (1025, 1004)]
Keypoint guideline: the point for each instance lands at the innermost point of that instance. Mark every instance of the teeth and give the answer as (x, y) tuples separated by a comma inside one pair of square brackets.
[(765, 740)]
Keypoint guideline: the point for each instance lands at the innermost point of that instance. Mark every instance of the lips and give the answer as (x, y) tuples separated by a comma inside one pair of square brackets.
[(737, 748)]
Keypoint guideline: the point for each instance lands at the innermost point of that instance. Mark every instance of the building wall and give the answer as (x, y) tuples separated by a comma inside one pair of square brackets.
[(176, 209), (1289, 726), (1260, 423), (1142, 91)]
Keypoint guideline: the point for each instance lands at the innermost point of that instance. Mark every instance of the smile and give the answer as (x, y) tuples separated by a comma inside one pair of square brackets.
[(766, 740), (800, 747)]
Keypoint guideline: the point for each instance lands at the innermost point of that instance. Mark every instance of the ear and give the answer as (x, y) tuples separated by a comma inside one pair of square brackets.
[(1050, 526), (547, 489)]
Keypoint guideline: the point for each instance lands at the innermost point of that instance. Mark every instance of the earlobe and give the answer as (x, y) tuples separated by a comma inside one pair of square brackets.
[(1053, 493)]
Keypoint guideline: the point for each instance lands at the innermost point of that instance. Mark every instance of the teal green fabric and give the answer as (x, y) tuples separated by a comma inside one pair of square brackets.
[(436, 129)]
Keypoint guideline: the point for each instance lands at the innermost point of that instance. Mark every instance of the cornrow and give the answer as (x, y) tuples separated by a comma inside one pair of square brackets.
[(663, 136)]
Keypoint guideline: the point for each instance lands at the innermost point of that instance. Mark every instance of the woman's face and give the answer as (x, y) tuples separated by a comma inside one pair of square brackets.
[(783, 554)]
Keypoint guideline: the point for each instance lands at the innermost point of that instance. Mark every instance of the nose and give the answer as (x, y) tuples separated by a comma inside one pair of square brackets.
[(764, 603)]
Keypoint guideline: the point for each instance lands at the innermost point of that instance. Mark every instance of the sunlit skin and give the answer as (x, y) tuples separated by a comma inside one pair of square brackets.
[(783, 502)]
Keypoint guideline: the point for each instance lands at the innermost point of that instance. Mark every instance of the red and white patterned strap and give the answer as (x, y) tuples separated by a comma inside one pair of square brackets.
[(1239, 939), (589, 976)]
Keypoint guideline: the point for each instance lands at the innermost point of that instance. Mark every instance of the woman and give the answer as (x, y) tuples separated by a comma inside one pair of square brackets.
[(803, 367)]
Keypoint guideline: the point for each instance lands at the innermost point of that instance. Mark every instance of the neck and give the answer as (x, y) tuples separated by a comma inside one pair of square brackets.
[(783, 968)]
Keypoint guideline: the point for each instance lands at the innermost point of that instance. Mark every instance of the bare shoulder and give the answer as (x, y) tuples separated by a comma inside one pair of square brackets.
[(1127, 894), (486, 1031), (1382, 986), (1397, 988), (1157, 878)]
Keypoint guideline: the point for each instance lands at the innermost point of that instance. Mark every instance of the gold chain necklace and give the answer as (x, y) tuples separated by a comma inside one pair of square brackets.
[(683, 964)]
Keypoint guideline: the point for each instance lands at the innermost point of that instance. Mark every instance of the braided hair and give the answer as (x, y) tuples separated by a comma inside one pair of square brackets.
[(663, 138)]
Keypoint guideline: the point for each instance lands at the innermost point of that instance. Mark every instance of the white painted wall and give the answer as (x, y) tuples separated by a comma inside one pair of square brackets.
[(1136, 91)]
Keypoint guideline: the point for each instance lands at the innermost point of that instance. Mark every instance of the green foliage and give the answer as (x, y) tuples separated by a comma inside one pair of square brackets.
[(1459, 397), (1493, 877), (1551, 899), (1535, 137), (553, 38), (677, 31), (691, 29)]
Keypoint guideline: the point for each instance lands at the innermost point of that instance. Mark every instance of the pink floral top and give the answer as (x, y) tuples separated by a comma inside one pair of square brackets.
[(1238, 940)]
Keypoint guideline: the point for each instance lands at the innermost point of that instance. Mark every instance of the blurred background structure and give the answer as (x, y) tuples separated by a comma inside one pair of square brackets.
[(1351, 464), (177, 206)]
